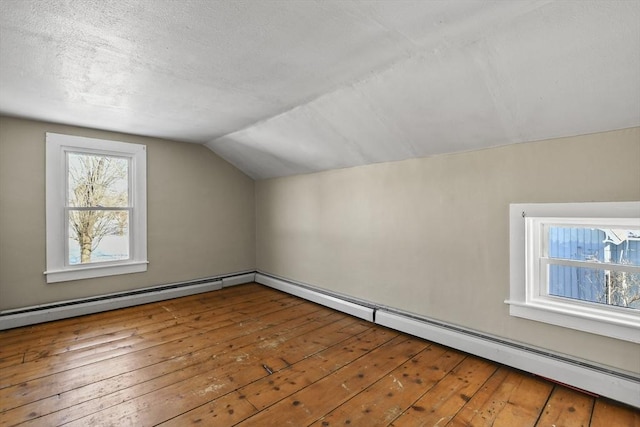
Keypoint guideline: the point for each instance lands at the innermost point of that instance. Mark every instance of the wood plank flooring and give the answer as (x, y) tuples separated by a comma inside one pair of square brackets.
[(252, 356)]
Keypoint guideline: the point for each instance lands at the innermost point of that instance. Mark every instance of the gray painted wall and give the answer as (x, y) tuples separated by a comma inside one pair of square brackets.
[(201, 216), (430, 236)]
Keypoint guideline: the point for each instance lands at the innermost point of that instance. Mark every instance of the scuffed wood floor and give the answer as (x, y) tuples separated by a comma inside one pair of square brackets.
[(252, 356)]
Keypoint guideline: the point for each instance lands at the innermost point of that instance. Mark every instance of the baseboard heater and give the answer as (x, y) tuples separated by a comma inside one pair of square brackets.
[(313, 294), (78, 307), (621, 386)]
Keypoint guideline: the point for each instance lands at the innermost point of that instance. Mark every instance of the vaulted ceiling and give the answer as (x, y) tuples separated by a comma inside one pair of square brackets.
[(288, 87)]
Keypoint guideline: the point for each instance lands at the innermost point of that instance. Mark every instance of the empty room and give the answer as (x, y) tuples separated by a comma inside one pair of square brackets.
[(320, 213)]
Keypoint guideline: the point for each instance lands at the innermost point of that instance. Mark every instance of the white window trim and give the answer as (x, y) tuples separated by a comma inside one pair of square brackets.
[(526, 300), (57, 146)]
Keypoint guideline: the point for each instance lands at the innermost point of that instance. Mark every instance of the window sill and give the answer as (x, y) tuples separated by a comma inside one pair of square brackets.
[(88, 272), (618, 325)]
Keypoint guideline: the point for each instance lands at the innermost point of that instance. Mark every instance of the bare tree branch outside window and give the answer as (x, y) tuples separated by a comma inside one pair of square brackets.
[(96, 185)]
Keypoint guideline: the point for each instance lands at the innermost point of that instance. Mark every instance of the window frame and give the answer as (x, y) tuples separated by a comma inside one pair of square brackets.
[(527, 297), (58, 268)]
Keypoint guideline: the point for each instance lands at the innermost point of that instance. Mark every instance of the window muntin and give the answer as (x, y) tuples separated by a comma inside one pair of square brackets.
[(548, 271), (96, 207)]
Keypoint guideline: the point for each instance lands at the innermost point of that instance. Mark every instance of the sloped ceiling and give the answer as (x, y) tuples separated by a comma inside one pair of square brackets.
[(289, 87)]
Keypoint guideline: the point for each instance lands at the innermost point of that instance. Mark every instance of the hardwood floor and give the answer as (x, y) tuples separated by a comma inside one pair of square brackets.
[(252, 356)]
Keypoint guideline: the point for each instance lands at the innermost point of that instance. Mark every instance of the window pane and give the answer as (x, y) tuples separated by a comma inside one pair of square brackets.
[(607, 245), (96, 181), (594, 285), (98, 235)]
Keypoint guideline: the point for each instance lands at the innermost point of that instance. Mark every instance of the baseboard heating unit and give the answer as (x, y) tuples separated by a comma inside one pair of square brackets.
[(78, 307), (621, 386)]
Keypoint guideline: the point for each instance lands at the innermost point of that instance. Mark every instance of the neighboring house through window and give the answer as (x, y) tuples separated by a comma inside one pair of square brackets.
[(577, 265), (96, 207)]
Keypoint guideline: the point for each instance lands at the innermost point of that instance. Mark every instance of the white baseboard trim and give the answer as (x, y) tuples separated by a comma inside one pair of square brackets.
[(71, 308), (238, 279), (621, 386), (348, 307)]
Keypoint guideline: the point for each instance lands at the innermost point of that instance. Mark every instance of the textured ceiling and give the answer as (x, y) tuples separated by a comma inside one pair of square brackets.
[(287, 87)]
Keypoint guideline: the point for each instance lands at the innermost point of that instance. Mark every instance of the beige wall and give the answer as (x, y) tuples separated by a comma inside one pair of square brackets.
[(430, 236), (201, 216)]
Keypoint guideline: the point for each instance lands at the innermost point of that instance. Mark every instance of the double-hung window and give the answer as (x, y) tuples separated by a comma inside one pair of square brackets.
[(96, 207), (577, 265)]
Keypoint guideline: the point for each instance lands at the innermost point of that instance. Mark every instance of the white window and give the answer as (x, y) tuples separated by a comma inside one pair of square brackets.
[(577, 265), (96, 208)]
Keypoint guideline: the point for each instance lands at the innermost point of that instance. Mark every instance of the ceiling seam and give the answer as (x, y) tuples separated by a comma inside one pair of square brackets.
[(418, 53)]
